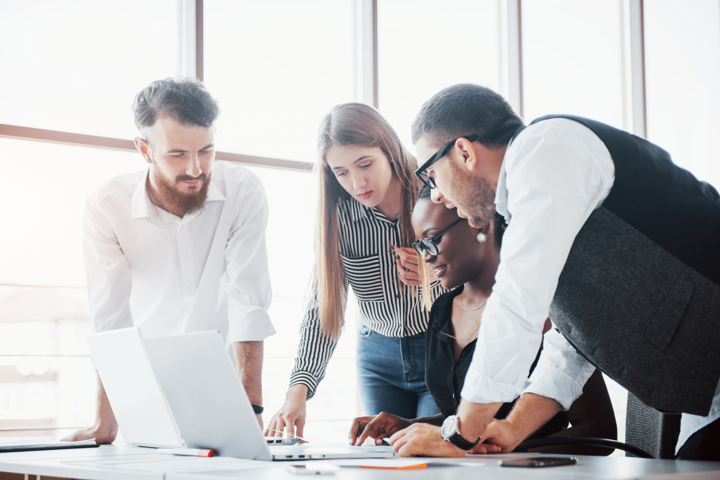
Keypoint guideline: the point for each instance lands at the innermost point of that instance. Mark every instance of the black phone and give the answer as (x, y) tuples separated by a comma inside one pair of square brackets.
[(538, 462)]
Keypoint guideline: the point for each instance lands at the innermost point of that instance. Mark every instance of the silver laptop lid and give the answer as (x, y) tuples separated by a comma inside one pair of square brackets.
[(205, 394), (132, 388)]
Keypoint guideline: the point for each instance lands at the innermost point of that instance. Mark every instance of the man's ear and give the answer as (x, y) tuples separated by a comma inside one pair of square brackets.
[(467, 154), (143, 147)]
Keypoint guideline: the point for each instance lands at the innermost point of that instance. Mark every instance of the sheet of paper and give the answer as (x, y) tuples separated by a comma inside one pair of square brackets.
[(174, 464), (381, 462), (402, 462), (40, 441)]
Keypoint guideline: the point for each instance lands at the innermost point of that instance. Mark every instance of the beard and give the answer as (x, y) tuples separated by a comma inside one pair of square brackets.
[(476, 197), (176, 202)]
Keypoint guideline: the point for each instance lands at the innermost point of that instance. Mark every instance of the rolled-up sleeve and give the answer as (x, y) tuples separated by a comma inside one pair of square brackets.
[(557, 173), (561, 371), (249, 290), (109, 282)]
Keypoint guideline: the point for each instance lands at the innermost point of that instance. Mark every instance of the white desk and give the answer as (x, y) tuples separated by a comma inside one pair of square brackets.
[(115, 462)]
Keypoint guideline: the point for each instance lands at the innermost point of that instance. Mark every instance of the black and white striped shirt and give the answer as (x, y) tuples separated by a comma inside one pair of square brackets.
[(366, 238)]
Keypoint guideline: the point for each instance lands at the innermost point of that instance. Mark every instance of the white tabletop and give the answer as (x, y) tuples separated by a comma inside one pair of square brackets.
[(115, 462), (487, 468)]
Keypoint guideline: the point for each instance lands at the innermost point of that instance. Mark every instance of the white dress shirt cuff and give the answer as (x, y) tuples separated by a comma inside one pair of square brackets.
[(479, 388), (551, 382), (249, 325)]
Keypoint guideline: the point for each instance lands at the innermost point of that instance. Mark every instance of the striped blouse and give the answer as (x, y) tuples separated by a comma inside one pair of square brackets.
[(366, 238)]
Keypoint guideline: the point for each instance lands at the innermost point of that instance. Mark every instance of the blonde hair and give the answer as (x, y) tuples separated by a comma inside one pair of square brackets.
[(425, 284), (352, 124), (423, 267)]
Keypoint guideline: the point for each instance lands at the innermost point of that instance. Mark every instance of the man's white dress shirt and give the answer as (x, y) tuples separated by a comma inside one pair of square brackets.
[(554, 175), (169, 275)]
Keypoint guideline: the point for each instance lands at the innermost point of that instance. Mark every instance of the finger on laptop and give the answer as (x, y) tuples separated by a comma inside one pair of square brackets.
[(371, 430), (357, 428), (300, 426), (276, 427)]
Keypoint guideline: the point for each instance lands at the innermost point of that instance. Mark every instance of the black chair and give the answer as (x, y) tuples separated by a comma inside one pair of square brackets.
[(649, 433), (651, 430)]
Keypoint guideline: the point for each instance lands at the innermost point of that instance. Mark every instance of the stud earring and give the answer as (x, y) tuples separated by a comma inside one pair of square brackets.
[(481, 237)]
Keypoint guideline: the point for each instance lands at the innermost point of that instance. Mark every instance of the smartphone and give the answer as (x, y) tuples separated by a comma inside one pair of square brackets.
[(319, 468), (537, 462)]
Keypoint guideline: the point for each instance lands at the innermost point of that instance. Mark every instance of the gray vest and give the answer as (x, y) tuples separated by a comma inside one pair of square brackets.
[(639, 295)]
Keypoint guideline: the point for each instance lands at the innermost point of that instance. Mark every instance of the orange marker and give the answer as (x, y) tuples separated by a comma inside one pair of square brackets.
[(187, 452), (406, 467)]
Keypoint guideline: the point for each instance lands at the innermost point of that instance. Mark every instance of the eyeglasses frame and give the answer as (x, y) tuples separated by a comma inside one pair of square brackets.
[(421, 246), (420, 172)]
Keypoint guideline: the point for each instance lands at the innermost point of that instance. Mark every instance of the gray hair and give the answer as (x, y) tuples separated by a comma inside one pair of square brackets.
[(463, 110), (186, 100)]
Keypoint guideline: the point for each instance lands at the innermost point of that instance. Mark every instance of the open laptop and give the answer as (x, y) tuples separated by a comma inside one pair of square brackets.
[(205, 398), (135, 395)]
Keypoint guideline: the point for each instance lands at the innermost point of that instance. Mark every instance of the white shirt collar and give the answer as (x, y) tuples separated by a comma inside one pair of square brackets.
[(501, 195)]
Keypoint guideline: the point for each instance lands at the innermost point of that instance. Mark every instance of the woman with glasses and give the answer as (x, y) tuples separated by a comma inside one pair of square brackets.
[(364, 233), (465, 260)]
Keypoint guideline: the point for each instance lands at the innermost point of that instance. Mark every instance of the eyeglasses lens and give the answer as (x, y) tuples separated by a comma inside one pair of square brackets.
[(427, 180), (429, 246)]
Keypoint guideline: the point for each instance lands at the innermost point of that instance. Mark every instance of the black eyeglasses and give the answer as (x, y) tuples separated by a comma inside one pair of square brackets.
[(420, 172), (429, 244)]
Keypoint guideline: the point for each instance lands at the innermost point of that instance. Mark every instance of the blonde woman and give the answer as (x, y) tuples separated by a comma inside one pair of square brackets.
[(364, 233)]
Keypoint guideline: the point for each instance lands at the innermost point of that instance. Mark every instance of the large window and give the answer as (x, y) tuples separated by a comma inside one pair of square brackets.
[(74, 66), (277, 76), (572, 54), (425, 46), (276, 68), (683, 73)]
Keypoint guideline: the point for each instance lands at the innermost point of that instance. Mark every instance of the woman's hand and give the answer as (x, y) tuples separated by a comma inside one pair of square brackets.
[(291, 416), (407, 265), (377, 427)]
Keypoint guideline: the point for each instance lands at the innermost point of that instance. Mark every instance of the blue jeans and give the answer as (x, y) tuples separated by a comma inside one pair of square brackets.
[(391, 374)]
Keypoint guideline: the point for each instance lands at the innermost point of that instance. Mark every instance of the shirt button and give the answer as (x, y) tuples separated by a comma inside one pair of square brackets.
[(397, 296)]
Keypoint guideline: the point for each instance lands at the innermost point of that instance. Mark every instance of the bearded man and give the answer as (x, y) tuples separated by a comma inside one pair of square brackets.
[(180, 246), (608, 237)]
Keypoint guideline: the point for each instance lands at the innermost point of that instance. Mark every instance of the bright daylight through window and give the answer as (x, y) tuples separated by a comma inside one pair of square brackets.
[(277, 67)]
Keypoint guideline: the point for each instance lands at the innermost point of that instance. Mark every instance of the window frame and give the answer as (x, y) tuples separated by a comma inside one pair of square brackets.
[(191, 63)]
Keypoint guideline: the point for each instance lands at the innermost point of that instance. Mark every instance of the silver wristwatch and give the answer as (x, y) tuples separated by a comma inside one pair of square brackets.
[(450, 432)]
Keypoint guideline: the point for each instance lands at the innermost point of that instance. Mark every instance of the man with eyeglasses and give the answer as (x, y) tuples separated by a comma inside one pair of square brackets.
[(607, 237)]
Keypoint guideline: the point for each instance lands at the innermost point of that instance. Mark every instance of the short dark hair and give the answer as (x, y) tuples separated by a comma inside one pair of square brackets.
[(186, 100), (463, 110)]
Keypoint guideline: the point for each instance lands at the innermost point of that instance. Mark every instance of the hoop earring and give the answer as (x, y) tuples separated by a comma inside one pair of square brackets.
[(481, 237)]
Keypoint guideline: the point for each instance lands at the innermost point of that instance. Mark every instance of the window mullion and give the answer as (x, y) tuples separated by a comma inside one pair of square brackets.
[(633, 55), (366, 52), (188, 65), (511, 72)]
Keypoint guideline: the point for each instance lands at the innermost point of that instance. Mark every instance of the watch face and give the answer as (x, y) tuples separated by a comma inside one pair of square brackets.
[(449, 427)]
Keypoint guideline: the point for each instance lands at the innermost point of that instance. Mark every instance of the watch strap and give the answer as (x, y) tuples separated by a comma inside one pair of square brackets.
[(259, 409), (461, 443)]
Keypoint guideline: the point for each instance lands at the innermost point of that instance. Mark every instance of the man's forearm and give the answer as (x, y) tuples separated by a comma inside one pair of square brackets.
[(249, 359), (531, 412), (475, 417)]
